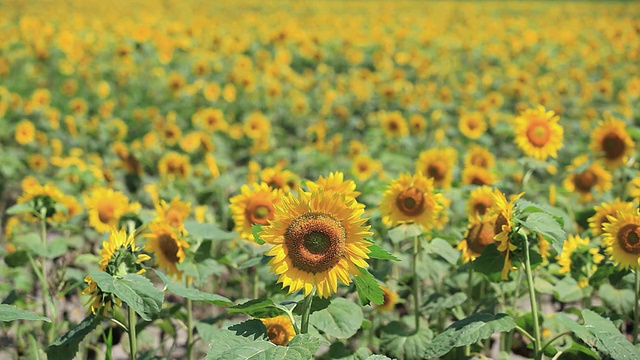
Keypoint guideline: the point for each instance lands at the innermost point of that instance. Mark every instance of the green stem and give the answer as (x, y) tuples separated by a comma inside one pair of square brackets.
[(467, 349), (555, 338), (416, 282), (635, 312), (132, 333), (255, 282), (189, 325), (525, 333), (532, 298), (306, 311)]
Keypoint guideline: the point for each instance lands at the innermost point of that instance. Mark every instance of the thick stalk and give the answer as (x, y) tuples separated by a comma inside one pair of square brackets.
[(132, 333), (532, 298), (635, 312), (306, 311), (416, 282), (189, 325)]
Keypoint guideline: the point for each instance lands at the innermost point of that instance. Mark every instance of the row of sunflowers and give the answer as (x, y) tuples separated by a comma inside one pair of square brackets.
[(331, 180)]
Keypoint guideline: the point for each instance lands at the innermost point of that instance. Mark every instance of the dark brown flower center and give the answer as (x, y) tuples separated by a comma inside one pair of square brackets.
[(629, 238), (585, 181), (613, 146), (169, 248), (479, 236), (501, 221), (480, 208), (437, 170), (410, 202), (277, 334), (315, 242)]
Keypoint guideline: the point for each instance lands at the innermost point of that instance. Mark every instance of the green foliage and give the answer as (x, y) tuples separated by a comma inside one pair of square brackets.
[(133, 289), (207, 231), (376, 252), (442, 248), (66, 346), (227, 346), (191, 293), (368, 288), (548, 226), (489, 263), (619, 300), (341, 319), (258, 308), (405, 231), (11, 313), (403, 343), (255, 230), (250, 328), (317, 304)]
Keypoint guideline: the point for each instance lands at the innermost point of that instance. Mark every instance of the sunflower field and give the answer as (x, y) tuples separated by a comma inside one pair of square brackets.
[(357, 180)]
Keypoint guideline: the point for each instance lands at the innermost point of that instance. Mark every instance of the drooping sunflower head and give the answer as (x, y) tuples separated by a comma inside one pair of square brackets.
[(167, 246), (390, 300), (120, 255), (538, 133), (173, 213), (44, 199), (476, 175), (335, 182), (105, 207), (437, 164), (604, 211), (254, 205), (99, 302), (411, 199), (622, 238), (479, 235), (481, 200), (612, 142), (472, 125), (503, 212), (318, 238), (279, 329), (584, 180)]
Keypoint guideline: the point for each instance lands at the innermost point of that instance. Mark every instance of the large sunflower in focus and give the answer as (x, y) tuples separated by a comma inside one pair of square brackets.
[(411, 199), (538, 133), (585, 181), (254, 205), (622, 238), (604, 211), (438, 165), (503, 225), (611, 140), (317, 240), (167, 246)]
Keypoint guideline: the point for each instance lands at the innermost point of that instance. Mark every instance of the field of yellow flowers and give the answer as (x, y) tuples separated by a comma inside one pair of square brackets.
[(331, 180)]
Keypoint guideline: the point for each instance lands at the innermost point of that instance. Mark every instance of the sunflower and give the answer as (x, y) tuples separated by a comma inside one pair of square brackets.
[(585, 180), (437, 164), (173, 213), (99, 302), (390, 300), (476, 175), (43, 198), (393, 124), (481, 199), (317, 240), (472, 125), (604, 211), (256, 125), (279, 178), (174, 165), (570, 246), (479, 156), (538, 133), (634, 187), (105, 207), (412, 199), (622, 238), (363, 167), (167, 246), (479, 234), (210, 120), (254, 205), (503, 227), (417, 123), (612, 141), (25, 132), (279, 329), (334, 182)]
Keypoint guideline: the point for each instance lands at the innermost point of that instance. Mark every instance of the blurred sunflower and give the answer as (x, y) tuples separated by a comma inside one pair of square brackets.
[(256, 125), (363, 167), (503, 226), (393, 124), (174, 165), (538, 133), (210, 120), (472, 125), (390, 300), (334, 183), (254, 205), (570, 246), (105, 207), (173, 213), (412, 199), (437, 164), (167, 246), (479, 235), (480, 200), (606, 210), (417, 123), (25, 132), (584, 180), (44, 199), (634, 187), (279, 178), (612, 141), (479, 156), (622, 238), (317, 240), (476, 175), (37, 162), (279, 329)]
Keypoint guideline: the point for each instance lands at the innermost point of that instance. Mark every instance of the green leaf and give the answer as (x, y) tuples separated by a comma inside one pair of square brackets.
[(251, 327), (222, 340), (133, 289), (567, 290), (468, 331), (255, 230), (11, 313), (201, 270), (403, 343), (207, 231), (192, 293), (547, 226), (443, 249), (368, 288), (317, 304), (376, 252), (257, 308), (527, 206), (227, 346), (341, 319), (17, 259), (489, 263), (405, 231), (378, 357), (619, 300), (580, 331), (66, 346), (301, 347), (437, 302), (634, 131), (20, 208), (608, 340)]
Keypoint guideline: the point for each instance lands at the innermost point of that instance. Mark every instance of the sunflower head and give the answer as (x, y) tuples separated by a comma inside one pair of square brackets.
[(604, 211), (612, 142), (622, 238), (504, 212), (254, 205), (472, 125), (481, 200), (120, 255), (105, 207), (538, 133), (334, 182), (279, 329), (99, 302), (167, 245), (317, 238), (571, 246), (585, 178), (46, 200), (173, 213), (437, 164), (476, 175), (390, 300)]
